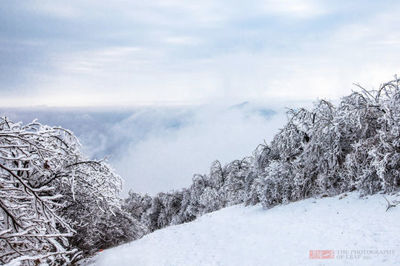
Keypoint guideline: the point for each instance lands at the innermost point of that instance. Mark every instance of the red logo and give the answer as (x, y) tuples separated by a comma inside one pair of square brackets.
[(322, 254)]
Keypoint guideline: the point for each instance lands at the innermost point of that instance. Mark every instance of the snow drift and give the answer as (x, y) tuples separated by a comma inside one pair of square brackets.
[(357, 231)]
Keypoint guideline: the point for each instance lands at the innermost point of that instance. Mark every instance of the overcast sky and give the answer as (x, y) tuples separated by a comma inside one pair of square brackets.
[(79, 53)]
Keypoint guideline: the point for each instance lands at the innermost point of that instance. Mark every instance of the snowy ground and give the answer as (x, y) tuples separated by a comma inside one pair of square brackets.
[(283, 235)]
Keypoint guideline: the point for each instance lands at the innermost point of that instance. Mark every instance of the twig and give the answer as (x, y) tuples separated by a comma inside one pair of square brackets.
[(390, 205)]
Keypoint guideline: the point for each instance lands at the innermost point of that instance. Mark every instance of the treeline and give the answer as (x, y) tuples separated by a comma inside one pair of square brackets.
[(325, 151), (224, 186), (56, 206)]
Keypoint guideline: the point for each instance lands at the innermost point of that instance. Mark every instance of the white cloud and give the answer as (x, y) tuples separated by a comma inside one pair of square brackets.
[(53, 8), (294, 8), (170, 51), (181, 40), (167, 158)]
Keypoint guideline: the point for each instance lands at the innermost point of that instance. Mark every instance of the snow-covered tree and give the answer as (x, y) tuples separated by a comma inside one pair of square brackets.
[(276, 184), (31, 229), (186, 213), (51, 195), (137, 205), (373, 165), (233, 188)]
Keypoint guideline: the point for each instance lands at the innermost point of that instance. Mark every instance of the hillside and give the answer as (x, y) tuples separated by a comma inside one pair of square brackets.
[(283, 235), (325, 151)]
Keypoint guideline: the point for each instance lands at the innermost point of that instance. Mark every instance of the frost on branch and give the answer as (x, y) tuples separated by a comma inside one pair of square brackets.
[(48, 192), (31, 228)]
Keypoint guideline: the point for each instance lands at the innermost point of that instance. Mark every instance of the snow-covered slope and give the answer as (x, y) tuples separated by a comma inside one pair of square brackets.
[(283, 235)]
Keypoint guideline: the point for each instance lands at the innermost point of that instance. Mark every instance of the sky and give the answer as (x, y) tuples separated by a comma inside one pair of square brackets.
[(163, 88), (169, 52)]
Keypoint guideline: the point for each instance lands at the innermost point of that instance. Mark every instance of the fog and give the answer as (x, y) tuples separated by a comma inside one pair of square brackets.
[(167, 157), (160, 148)]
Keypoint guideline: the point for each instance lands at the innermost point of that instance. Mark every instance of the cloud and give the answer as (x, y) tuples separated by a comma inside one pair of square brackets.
[(53, 9), (160, 148), (167, 158), (135, 52), (299, 9), (181, 40)]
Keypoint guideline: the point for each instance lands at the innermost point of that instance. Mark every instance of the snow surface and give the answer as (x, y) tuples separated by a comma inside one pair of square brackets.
[(283, 235)]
